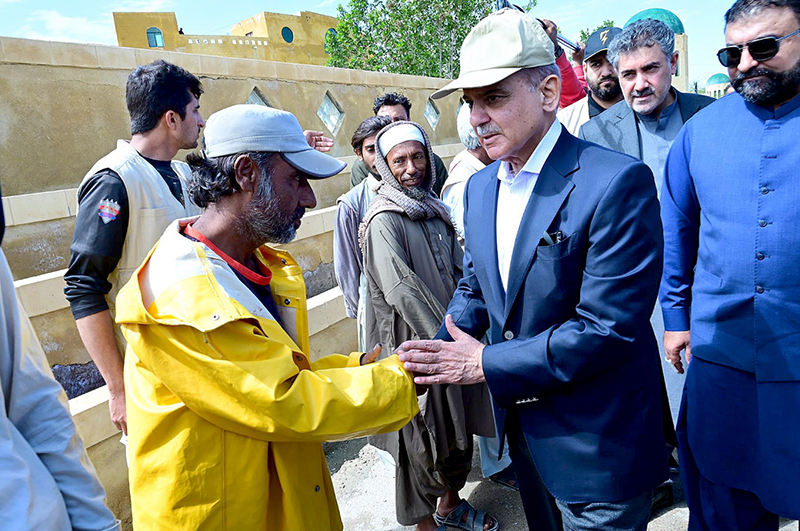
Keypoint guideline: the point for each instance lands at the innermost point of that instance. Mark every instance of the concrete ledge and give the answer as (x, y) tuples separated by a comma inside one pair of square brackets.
[(30, 51), (324, 310), (448, 151), (90, 413), (316, 222), (45, 293), (41, 206), (42, 294)]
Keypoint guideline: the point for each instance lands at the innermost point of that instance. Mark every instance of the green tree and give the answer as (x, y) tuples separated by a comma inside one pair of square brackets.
[(585, 33), (417, 37)]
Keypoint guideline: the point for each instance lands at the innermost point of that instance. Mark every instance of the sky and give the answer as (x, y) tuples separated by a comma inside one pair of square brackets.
[(91, 21)]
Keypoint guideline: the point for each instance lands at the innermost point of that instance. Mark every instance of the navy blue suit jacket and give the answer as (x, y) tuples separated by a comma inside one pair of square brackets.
[(570, 343)]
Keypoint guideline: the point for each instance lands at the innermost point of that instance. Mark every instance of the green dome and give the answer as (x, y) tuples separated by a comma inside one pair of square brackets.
[(667, 17), (718, 79)]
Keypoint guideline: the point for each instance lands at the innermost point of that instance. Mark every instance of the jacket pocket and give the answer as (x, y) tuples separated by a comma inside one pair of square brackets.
[(709, 278), (559, 250)]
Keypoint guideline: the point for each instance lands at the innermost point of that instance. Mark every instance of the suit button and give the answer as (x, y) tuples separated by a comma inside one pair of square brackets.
[(316, 489), (760, 289), (760, 256), (508, 334), (762, 222), (764, 190)]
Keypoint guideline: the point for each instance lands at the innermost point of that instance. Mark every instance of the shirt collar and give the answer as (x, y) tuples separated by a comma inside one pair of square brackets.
[(665, 112), (537, 159), (770, 113), (594, 107)]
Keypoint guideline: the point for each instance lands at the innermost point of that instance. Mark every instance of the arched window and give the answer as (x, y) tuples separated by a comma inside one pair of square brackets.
[(287, 34), (154, 38), (332, 33)]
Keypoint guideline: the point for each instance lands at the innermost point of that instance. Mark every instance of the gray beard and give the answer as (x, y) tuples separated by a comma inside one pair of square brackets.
[(262, 221), (778, 88), (416, 192)]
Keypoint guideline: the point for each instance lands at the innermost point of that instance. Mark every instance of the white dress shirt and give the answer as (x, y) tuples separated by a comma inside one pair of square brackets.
[(513, 196)]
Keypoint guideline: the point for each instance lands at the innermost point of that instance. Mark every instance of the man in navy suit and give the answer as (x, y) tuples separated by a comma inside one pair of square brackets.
[(561, 269)]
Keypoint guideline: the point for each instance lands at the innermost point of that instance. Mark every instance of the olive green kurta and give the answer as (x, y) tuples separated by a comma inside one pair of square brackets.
[(412, 269)]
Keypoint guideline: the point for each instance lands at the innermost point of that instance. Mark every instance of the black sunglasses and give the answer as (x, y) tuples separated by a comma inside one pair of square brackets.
[(762, 49)]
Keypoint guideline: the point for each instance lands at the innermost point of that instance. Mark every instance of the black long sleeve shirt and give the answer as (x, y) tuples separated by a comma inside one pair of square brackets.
[(101, 227)]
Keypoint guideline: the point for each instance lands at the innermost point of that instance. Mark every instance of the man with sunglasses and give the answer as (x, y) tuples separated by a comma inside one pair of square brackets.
[(730, 292)]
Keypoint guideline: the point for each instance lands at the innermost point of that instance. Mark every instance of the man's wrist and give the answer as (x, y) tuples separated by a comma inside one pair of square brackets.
[(116, 389), (482, 375)]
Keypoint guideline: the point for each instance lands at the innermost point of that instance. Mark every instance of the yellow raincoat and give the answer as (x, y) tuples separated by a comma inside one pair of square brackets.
[(225, 411)]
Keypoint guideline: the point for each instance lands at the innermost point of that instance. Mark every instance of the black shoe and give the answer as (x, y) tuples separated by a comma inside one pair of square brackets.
[(663, 497)]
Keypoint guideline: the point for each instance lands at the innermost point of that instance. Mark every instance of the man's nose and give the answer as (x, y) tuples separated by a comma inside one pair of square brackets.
[(307, 198), (641, 82), (201, 123), (746, 62), (477, 115), (411, 169)]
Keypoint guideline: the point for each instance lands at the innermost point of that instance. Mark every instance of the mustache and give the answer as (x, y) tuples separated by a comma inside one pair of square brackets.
[(608, 78), (754, 72), (640, 93), (484, 130)]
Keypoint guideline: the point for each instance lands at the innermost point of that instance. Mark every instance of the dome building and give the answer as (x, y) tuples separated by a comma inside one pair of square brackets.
[(716, 85), (681, 79)]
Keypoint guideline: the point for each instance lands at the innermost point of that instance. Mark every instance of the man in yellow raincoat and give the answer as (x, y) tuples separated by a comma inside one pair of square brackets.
[(226, 412)]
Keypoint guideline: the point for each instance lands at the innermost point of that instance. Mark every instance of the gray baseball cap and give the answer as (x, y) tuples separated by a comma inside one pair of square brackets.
[(243, 128), (501, 44)]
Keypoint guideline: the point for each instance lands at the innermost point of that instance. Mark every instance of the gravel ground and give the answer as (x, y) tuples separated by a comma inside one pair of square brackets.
[(365, 490)]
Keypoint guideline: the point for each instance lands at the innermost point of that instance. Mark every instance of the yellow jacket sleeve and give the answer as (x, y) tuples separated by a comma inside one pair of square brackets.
[(338, 361), (244, 382)]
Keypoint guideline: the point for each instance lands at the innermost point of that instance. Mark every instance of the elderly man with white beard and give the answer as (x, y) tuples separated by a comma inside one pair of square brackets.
[(412, 262)]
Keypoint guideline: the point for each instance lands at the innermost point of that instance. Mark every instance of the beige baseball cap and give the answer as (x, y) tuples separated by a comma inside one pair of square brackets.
[(501, 44)]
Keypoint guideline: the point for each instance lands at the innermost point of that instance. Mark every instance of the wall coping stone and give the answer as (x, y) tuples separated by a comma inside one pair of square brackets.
[(41, 52)]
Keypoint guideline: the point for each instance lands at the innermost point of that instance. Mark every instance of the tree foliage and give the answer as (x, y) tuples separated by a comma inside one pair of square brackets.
[(585, 33), (418, 37)]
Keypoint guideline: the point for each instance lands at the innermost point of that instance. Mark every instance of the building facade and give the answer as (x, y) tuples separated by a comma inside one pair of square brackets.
[(716, 85), (266, 36)]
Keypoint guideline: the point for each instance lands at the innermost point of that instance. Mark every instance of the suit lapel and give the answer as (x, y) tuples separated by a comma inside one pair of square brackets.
[(488, 233), (552, 188), (687, 108), (630, 132)]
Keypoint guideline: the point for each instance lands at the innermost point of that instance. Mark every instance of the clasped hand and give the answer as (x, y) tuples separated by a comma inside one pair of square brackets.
[(444, 362)]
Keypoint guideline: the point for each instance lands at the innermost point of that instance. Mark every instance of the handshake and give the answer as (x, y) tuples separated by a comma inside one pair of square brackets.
[(433, 361)]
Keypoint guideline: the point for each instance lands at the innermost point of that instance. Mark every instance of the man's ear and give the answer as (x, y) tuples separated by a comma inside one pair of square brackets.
[(359, 155), (247, 173), (172, 120), (551, 93), (673, 63)]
